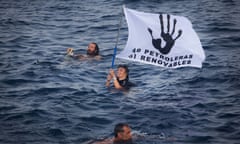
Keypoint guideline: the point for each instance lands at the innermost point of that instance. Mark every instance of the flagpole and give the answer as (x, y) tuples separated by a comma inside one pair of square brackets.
[(115, 48)]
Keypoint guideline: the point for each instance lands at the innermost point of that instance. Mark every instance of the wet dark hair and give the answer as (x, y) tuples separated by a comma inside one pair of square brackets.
[(96, 48), (119, 128), (126, 69)]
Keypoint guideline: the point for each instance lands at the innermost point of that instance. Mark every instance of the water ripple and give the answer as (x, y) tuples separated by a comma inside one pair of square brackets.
[(46, 97)]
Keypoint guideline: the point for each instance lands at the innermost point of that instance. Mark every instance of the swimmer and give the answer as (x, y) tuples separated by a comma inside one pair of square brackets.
[(92, 52), (121, 79), (122, 135)]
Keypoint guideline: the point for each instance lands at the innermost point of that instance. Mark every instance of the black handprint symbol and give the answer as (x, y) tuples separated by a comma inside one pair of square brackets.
[(167, 37)]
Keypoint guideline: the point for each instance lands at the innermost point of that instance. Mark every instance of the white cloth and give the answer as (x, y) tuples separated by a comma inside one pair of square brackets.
[(153, 39)]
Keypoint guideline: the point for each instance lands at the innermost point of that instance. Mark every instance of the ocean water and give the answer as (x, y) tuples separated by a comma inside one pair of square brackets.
[(45, 97)]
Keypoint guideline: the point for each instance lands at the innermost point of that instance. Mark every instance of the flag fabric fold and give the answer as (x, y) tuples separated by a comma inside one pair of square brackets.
[(162, 40)]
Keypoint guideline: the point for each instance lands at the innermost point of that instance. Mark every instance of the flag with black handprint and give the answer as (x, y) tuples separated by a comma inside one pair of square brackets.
[(162, 40)]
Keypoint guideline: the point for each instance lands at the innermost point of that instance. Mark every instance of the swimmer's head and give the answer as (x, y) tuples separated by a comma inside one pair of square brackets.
[(123, 71), (93, 49), (122, 133)]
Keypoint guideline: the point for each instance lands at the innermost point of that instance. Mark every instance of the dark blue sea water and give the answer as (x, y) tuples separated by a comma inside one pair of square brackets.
[(46, 97)]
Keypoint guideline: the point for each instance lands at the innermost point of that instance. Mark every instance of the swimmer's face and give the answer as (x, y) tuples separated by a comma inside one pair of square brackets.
[(91, 49), (121, 73), (126, 134)]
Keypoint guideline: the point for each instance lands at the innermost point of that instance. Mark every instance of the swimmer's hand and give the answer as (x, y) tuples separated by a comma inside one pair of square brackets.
[(70, 51)]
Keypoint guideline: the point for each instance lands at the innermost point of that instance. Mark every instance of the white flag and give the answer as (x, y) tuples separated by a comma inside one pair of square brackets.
[(162, 40)]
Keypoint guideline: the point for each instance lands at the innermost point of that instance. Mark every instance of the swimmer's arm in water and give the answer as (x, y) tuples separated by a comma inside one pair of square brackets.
[(109, 78), (78, 56), (105, 141), (81, 56)]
